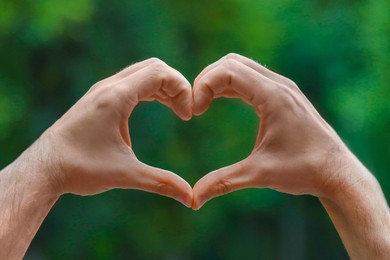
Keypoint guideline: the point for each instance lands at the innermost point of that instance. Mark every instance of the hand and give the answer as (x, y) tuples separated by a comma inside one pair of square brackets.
[(90, 146), (296, 151)]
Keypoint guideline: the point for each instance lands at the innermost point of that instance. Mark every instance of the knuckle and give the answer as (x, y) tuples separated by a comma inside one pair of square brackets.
[(155, 60), (158, 64), (291, 84), (101, 96), (231, 63), (230, 69), (97, 85), (106, 98), (162, 188), (294, 100), (160, 72), (288, 83), (232, 56), (285, 98), (223, 187), (205, 89)]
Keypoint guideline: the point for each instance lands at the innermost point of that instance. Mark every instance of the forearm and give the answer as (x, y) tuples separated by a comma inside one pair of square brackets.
[(360, 214), (26, 197)]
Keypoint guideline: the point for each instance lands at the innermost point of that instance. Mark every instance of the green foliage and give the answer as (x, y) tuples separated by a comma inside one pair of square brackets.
[(53, 51)]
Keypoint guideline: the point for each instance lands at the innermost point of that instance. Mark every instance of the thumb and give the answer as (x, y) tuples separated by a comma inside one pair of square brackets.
[(159, 181), (222, 181)]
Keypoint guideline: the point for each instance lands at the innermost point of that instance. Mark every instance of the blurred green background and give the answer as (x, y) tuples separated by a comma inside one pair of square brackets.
[(51, 52)]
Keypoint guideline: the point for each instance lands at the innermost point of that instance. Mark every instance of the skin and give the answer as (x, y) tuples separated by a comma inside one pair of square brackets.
[(296, 152), (88, 151)]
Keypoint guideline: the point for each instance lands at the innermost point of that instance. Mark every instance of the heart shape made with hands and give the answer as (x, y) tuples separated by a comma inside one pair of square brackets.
[(291, 140), (286, 116), (201, 96), (223, 135)]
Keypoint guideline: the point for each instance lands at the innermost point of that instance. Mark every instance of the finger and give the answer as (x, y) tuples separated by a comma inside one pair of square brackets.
[(207, 69), (147, 178), (178, 99), (271, 75), (156, 78), (251, 64), (223, 181), (123, 73), (267, 73), (259, 68), (234, 78)]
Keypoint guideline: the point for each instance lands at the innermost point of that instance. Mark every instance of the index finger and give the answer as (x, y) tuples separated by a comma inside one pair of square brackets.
[(157, 77), (232, 77)]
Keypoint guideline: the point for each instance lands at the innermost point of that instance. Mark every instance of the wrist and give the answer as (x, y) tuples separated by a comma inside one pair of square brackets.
[(26, 196), (346, 177), (38, 168), (360, 213)]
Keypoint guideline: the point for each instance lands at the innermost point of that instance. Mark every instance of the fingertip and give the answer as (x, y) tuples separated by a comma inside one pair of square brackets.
[(186, 116), (189, 199), (182, 104), (195, 208), (202, 97), (197, 205), (201, 104), (185, 200), (221, 182), (165, 183), (197, 113), (185, 195), (199, 198)]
